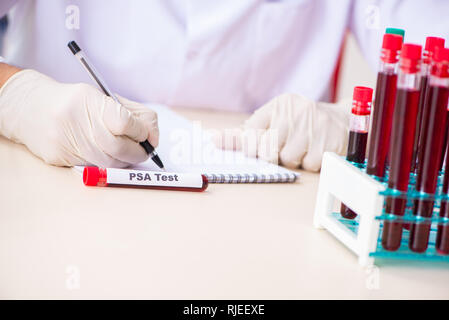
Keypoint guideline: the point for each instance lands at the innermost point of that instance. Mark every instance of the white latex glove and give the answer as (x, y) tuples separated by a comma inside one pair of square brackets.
[(74, 124), (293, 131)]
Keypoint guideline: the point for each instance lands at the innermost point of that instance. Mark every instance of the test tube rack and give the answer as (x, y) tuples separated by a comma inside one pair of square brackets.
[(341, 180)]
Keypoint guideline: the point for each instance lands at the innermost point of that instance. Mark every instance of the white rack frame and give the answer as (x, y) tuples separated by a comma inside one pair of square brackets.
[(341, 181)]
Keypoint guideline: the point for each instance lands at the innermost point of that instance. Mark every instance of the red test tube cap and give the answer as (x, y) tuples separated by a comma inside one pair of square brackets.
[(432, 43), (441, 54), (411, 51), (440, 65), (391, 45), (363, 94), (91, 176), (392, 42), (410, 58), (362, 98)]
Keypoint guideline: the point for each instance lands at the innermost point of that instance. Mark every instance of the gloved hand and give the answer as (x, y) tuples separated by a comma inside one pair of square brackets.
[(293, 131), (74, 124)]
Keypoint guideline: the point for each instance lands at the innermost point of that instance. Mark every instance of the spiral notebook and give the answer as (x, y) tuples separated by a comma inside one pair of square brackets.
[(185, 146)]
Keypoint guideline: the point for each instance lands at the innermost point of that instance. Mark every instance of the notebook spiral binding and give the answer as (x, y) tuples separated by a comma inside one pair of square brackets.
[(252, 178)]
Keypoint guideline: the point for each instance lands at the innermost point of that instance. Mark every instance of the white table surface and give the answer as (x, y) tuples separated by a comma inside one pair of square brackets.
[(60, 239)]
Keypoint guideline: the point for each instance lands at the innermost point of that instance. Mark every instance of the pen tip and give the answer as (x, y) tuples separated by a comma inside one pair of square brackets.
[(158, 161), (73, 46)]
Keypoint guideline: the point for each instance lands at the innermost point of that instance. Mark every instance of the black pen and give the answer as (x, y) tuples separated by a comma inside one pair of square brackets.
[(77, 52)]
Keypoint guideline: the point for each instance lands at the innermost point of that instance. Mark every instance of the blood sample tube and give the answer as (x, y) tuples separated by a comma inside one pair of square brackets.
[(358, 133), (431, 142), (431, 44), (431, 146), (402, 139), (442, 241), (383, 105), (110, 177)]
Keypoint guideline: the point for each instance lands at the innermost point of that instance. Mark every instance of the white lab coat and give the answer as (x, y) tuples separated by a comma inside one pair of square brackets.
[(231, 55)]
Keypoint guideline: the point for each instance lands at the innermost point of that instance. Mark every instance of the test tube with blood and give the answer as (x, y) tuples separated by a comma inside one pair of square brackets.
[(402, 142), (358, 133), (110, 177)]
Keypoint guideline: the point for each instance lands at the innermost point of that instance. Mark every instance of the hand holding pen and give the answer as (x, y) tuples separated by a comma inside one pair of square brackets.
[(78, 53)]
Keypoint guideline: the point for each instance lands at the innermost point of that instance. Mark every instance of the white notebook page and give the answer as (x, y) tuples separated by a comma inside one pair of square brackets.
[(186, 147)]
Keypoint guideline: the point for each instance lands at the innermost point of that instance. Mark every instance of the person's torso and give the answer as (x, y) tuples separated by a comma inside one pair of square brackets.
[(232, 55)]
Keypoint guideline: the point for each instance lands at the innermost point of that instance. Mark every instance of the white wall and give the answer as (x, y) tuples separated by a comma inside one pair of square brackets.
[(354, 71)]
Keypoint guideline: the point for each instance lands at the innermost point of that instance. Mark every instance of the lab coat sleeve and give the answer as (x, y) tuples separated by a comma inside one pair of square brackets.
[(418, 18), (5, 6)]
